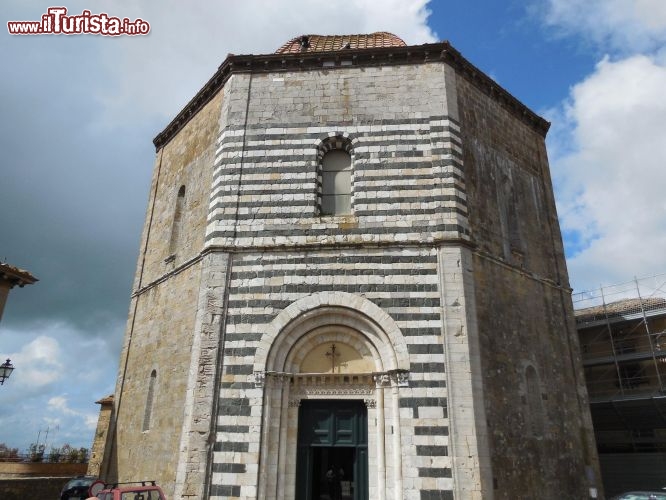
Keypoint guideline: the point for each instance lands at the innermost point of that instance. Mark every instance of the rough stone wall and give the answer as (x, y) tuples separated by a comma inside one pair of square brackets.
[(101, 438), (536, 408), (16, 470), (200, 422), (161, 340), (37, 487), (163, 312), (185, 161), (508, 182), (437, 165)]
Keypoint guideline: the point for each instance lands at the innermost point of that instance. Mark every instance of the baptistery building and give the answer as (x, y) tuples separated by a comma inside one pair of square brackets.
[(351, 285)]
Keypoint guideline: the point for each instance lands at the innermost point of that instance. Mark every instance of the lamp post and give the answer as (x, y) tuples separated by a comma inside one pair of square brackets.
[(6, 370)]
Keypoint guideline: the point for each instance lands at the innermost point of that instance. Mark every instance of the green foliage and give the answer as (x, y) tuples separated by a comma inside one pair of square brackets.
[(36, 452), (67, 454), (55, 455), (7, 453)]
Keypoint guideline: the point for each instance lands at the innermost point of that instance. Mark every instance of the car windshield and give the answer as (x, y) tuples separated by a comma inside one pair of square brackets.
[(141, 495), (80, 481), (643, 495)]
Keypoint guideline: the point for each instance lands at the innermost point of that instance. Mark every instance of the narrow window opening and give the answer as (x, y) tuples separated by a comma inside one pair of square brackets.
[(149, 401), (177, 221), (336, 193)]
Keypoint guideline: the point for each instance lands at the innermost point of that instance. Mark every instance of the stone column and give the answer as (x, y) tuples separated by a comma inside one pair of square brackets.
[(198, 421), (468, 440)]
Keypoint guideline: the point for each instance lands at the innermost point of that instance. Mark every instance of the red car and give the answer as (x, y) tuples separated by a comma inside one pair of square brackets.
[(140, 490)]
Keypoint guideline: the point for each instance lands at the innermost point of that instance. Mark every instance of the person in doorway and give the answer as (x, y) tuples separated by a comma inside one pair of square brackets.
[(338, 483), (331, 482)]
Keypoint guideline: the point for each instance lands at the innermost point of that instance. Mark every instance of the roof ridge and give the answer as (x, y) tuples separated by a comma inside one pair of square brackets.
[(323, 43)]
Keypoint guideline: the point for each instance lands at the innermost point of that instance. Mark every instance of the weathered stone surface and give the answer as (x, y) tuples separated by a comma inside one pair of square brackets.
[(447, 278)]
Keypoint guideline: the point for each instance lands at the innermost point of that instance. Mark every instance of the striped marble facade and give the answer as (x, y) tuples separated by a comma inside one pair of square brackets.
[(407, 185)]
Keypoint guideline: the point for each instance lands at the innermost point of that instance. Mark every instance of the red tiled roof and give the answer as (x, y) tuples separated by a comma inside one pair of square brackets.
[(619, 308), (105, 400), (15, 276), (325, 43)]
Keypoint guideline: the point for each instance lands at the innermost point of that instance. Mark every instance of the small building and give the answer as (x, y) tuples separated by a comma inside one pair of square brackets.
[(623, 345), (99, 446), (10, 277)]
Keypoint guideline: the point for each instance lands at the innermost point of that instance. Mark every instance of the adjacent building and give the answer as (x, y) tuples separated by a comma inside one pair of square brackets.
[(10, 277), (351, 283), (623, 345)]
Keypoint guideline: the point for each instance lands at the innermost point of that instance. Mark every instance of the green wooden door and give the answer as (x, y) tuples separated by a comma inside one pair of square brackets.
[(332, 458)]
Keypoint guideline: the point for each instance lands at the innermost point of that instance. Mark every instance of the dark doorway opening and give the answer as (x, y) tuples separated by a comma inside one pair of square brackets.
[(332, 461)]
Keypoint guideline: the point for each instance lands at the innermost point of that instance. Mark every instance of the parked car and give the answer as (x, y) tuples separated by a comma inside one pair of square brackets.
[(140, 490), (641, 495), (77, 488)]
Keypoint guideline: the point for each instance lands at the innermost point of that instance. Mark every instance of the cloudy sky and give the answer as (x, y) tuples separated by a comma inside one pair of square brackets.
[(78, 114)]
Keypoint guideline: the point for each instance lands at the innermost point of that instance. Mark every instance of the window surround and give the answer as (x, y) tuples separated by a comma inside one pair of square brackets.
[(335, 141)]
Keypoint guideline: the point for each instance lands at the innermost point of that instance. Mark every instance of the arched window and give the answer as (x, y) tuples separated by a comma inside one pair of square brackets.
[(336, 190), (177, 221), (149, 401)]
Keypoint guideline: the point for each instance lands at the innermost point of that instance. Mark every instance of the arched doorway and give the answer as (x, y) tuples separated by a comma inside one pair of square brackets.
[(326, 371)]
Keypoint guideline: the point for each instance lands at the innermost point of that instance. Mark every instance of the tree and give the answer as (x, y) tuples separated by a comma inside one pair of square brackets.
[(36, 452), (55, 455), (8, 454)]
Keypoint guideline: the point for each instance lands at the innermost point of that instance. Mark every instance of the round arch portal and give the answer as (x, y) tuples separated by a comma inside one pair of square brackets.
[(292, 364), (324, 310)]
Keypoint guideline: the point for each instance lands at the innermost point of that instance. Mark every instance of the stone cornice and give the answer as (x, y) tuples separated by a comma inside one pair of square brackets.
[(341, 59)]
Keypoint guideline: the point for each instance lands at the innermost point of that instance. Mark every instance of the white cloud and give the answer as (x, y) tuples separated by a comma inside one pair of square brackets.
[(611, 175), (60, 406), (60, 373), (624, 26), (39, 362), (160, 72), (59, 403)]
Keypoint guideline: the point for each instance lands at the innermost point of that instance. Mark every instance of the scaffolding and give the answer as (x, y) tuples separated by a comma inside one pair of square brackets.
[(622, 332)]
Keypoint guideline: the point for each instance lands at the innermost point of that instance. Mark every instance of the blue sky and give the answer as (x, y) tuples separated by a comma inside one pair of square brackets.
[(78, 114)]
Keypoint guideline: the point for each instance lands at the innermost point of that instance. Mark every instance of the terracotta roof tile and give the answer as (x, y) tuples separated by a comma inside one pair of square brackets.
[(619, 308), (325, 43), (105, 400), (16, 276)]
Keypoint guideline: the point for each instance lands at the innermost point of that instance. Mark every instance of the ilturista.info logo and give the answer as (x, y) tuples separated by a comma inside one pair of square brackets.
[(56, 22)]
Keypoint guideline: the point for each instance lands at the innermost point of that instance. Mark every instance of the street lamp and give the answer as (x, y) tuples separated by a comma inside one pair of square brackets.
[(6, 370)]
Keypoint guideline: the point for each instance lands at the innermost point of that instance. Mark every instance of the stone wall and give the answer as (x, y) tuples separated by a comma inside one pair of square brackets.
[(185, 161), (9, 470), (163, 312), (34, 487), (101, 438), (406, 183), (403, 282), (161, 341), (536, 408), (407, 188), (453, 237)]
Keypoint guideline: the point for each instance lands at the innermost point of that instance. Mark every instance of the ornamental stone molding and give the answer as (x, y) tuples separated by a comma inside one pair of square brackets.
[(371, 325)]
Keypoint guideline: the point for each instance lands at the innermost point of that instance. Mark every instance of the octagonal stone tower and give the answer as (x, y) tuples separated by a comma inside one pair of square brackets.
[(352, 284)]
